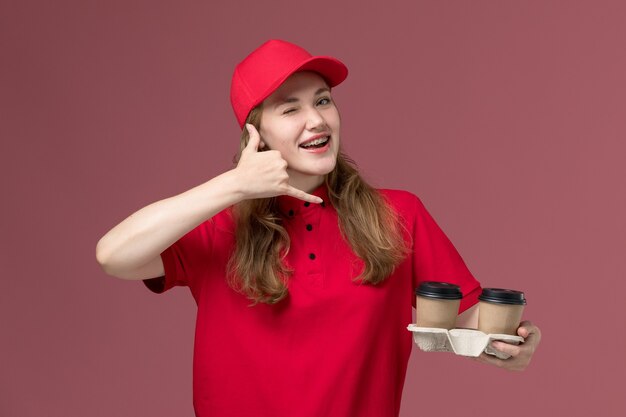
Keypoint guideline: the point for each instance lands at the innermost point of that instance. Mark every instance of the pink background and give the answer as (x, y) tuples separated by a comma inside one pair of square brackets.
[(507, 119)]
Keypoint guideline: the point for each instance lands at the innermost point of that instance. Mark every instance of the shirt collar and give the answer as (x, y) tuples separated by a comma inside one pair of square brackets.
[(291, 206)]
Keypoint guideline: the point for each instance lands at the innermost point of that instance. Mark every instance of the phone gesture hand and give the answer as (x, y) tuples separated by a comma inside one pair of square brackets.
[(264, 174)]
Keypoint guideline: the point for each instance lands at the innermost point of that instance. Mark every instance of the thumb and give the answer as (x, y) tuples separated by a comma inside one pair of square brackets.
[(255, 138)]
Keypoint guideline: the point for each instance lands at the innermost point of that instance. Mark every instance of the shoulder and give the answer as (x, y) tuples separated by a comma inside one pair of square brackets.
[(219, 223), (224, 221), (402, 200)]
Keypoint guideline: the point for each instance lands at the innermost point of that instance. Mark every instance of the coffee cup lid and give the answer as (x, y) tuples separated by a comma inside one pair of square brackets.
[(440, 290), (502, 296)]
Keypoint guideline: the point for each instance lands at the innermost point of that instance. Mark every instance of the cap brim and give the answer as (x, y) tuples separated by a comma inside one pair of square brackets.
[(331, 69)]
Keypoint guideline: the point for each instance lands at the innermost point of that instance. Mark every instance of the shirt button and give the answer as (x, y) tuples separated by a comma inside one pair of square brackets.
[(309, 227), (311, 255), (307, 204), (291, 212)]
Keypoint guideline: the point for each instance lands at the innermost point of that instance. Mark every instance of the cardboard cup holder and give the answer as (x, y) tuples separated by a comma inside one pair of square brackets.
[(465, 342)]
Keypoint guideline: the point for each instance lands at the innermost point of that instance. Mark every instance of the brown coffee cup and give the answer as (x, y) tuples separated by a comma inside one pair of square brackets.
[(500, 310), (437, 304)]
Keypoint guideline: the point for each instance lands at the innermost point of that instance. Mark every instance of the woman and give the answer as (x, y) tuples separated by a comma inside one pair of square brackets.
[(303, 274)]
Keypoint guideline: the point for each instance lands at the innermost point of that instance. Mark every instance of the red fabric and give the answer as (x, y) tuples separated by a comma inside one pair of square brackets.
[(333, 347)]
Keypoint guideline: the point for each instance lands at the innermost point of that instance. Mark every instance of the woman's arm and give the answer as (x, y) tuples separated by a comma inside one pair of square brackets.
[(132, 249)]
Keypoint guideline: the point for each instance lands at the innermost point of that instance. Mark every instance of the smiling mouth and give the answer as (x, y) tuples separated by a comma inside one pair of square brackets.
[(317, 143)]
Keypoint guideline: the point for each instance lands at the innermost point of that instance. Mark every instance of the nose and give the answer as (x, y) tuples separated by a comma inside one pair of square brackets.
[(315, 121)]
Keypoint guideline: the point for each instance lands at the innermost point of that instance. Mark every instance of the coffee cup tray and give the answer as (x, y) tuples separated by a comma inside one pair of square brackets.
[(465, 342)]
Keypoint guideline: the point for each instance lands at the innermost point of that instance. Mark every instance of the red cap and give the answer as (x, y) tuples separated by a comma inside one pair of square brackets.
[(267, 67)]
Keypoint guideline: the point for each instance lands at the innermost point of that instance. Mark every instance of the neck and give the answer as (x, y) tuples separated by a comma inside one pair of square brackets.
[(306, 183)]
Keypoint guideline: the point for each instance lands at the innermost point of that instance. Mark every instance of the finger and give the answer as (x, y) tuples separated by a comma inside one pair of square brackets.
[(523, 332), (510, 364), (488, 359), (294, 192), (513, 350), (255, 138), (526, 328), (533, 337)]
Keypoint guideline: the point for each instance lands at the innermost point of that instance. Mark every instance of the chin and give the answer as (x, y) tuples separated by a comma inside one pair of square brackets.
[(325, 169), (320, 167)]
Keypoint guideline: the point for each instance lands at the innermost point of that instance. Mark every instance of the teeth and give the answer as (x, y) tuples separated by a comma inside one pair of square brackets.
[(316, 142)]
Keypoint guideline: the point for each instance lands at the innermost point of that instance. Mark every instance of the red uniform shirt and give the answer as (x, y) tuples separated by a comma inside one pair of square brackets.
[(334, 346)]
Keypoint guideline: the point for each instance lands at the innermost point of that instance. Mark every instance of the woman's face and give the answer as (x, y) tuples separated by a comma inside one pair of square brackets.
[(300, 110)]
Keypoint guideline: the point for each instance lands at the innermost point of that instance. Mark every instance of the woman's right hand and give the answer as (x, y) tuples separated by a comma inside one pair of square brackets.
[(264, 174)]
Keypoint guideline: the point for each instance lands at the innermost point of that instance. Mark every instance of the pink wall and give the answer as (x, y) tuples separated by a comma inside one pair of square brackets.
[(506, 118)]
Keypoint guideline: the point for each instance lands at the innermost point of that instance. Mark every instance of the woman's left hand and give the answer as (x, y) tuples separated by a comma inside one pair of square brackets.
[(520, 354)]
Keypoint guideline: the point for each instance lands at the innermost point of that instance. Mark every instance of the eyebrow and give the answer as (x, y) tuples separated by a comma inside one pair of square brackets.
[(295, 99)]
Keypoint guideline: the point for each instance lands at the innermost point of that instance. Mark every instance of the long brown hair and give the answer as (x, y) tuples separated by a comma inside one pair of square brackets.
[(367, 222)]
